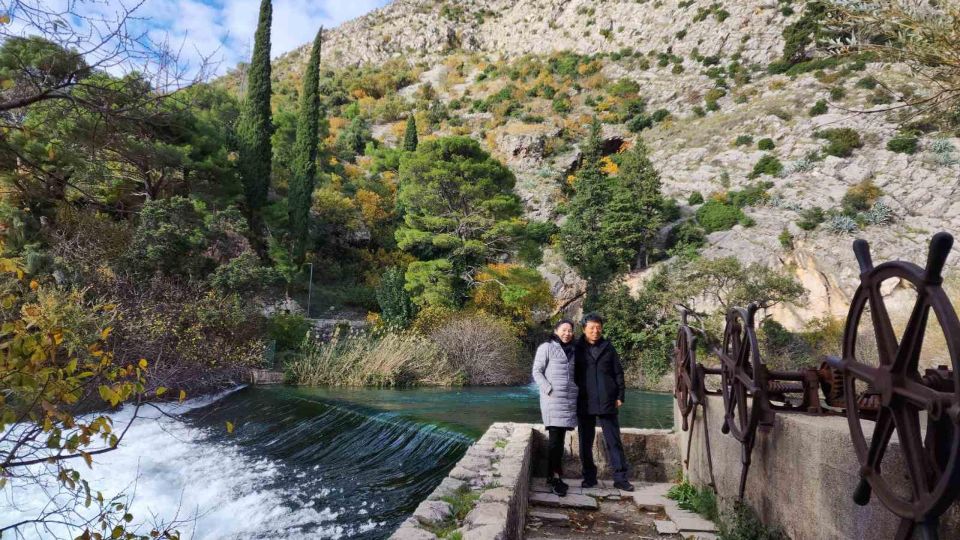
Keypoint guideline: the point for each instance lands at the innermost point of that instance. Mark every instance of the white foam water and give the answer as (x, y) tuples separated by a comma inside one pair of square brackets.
[(170, 470)]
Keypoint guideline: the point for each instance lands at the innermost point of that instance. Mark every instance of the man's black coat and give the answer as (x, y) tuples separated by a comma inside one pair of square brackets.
[(599, 377)]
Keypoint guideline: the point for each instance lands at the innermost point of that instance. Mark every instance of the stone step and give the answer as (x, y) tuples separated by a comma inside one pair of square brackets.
[(555, 517), (665, 527), (572, 500)]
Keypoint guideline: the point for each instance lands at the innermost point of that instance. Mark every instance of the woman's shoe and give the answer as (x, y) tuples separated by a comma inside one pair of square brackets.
[(560, 487)]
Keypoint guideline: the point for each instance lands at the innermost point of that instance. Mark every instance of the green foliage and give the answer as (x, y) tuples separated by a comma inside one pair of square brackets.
[(353, 139), (637, 328), (701, 500), (695, 198), (786, 239), (818, 108), (459, 212), (800, 36), (743, 140), (610, 220), (811, 218), (766, 144), (243, 275), (513, 292), (903, 144), (731, 283), (288, 330), (624, 88), (305, 152), (741, 523), (255, 126), (410, 140), (768, 164), (685, 239), (717, 216), (869, 82), (837, 93), (170, 238), (842, 141), (751, 195), (860, 197), (396, 307)]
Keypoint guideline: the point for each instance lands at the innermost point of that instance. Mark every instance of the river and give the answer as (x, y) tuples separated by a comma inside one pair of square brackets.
[(304, 462)]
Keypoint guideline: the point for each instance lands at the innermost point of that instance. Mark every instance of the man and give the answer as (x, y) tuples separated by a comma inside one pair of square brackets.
[(599, 377)]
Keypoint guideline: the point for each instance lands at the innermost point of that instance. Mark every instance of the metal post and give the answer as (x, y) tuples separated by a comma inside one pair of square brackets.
[(309, 290)]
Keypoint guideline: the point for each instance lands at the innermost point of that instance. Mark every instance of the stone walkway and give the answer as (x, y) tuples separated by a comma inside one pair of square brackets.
[(606, 512)]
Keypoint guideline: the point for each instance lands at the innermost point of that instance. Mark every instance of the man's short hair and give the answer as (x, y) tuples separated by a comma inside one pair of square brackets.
[(592, 317)]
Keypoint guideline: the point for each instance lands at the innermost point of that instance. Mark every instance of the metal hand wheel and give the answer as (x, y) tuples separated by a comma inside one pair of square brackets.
[(903, 397)]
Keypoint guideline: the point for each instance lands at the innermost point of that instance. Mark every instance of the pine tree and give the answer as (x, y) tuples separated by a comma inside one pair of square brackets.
[(255, 124), (305, 152), (410, 139), (633, 214)]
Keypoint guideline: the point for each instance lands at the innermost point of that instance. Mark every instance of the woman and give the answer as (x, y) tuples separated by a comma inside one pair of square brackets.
[(553, 373)]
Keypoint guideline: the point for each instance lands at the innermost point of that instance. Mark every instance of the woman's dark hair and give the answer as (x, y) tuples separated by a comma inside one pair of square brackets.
[(592, 317), (562, 322)]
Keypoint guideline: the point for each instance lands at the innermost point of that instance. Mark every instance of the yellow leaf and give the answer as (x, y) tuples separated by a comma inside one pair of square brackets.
[(142, 363), (229, 426), (87, 458), (161, 391), (4, 19), (106, 332), (183, 396), (34, 285)]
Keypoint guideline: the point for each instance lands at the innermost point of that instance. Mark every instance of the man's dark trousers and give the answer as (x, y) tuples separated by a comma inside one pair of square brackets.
[(587, 428)]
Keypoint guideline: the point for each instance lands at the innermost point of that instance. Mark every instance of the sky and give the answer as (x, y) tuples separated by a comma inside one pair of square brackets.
[(200, 28)]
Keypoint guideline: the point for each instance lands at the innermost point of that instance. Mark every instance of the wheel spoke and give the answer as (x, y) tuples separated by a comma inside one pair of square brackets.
[(863, 371), (908, 426), (881, 436), (908, 354), (923, 397), (886, 339)]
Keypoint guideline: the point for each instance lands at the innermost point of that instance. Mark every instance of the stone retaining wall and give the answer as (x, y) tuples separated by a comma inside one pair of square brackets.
[(802, 478), (498, 467), (651, 453)]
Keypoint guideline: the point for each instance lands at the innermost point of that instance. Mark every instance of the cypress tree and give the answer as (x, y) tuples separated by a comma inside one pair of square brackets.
[(255, 125), (633, 214), (305, 151), (410, 140)]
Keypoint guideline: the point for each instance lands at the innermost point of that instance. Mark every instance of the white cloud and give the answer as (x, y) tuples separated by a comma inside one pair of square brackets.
[(221, 28)]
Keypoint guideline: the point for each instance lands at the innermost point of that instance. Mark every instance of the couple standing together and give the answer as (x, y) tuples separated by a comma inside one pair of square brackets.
[(581, 385)]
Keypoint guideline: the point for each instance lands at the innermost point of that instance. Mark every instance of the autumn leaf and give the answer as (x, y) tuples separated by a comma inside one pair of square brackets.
[(229, 426), (183, 396)]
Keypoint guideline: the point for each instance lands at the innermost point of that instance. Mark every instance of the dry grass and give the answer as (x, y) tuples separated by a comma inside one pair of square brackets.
[(381, 360)]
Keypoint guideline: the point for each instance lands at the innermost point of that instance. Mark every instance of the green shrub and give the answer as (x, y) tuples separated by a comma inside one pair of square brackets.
[(623, 88), (743, 140), (699, 111), (396, 307), (677, 69), (842, 141), (695, 198), (811, 218), (751, 195), (766, 144), (660, 115), (837, 93), (716, 216), (868, 82), (741, 523), (687, 236), (561, 104), (768, 164), (747, 221), (701, 500), (903, 144), (288, 330), (820, 107), (860, 197), (786, 239)]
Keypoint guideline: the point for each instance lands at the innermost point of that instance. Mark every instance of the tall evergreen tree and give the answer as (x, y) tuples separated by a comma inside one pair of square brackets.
[(633, 214), (410, 139), (255, 125), (305, 151)]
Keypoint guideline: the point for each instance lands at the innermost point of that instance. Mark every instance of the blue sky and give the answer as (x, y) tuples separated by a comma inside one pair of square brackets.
[(224, 28)]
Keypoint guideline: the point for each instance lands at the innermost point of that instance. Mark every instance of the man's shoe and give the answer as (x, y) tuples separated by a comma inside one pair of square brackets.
[(588, 483), (560, 487), (623, 485)]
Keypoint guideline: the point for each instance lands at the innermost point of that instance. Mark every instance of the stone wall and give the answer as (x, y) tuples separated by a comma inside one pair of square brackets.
[(498, 467), (651, 453), (802, 477)]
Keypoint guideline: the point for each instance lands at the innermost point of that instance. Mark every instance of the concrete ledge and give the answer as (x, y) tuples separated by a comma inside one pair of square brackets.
[(651, 453), (802, 478), (497, 466)]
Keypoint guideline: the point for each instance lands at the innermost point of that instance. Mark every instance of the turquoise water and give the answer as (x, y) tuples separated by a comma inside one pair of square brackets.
[(366, 456)]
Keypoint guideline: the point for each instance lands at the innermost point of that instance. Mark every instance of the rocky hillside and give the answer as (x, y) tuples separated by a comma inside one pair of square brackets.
[(701, 69)]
